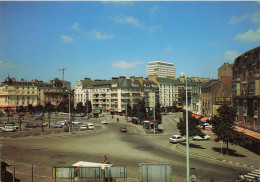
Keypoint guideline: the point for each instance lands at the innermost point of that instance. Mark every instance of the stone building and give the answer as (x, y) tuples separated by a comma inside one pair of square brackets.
[(246, 88), (217, 92), (14, 93)]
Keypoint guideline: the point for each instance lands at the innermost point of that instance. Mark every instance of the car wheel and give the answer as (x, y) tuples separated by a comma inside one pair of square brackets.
[(208, 138)]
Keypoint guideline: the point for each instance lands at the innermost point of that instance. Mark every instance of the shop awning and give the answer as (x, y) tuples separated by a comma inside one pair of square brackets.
[(204, 118)]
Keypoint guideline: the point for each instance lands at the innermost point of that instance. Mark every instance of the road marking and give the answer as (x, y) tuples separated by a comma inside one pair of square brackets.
[(175, 148)]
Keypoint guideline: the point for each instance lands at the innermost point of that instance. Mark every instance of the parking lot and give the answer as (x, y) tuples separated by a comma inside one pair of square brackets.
[(48, 125)]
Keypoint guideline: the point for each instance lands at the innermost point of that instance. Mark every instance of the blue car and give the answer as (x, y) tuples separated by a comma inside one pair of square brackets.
[(56, 125)]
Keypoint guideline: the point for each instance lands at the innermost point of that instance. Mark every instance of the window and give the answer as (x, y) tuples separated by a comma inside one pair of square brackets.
[(255, 107), (244, 107), (244, 72), (252, 86), (254, 68), (234, 88)]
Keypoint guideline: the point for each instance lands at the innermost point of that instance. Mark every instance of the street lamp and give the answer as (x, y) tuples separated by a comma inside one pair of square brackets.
[(187, 132), (69, 109)]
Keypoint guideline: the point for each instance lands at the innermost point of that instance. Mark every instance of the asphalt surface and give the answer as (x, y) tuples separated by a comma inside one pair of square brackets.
[(122, 149)]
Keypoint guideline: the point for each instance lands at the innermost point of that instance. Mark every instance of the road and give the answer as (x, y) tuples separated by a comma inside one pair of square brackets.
[(126, 149)]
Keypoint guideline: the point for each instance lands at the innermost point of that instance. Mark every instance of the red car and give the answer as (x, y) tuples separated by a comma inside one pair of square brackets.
[(123, 129)]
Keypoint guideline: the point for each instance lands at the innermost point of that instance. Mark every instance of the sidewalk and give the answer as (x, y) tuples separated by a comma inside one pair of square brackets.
[(216, 151)]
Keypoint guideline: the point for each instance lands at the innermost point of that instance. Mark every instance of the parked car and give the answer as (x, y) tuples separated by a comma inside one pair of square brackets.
[(101, 115), (30, 125), (84, 117), (123, 129), (83, 127), (76, 122), (63, 122), (8, 129), (205, 137), (90, 126), (42, 124), (176, 139), (104, 122), (13, 125), (56, 125)]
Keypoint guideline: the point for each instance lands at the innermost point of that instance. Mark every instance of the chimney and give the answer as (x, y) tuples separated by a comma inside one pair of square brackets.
[(140, 79), (132, 78), (114, 79), (121, 79)]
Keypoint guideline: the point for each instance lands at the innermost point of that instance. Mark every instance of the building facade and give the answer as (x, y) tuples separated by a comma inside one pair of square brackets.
[(161, 69), (114, 95), (246, 87), (15, 93)]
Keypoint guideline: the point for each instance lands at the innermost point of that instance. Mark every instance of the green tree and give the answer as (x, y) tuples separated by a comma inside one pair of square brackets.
[(62, 107), (134, 112), (39, 108), (141, 110), (224, 126), (129, 109), (158, 115), (31, 109), (49, 107), (80, 108), (193, 123)]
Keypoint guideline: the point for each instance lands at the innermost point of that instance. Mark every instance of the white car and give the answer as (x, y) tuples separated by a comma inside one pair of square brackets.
[(206, 137), (76, 122), (16, 127), (104, 122), (90, 126), (8, 129), (176, 139), (83, 127)]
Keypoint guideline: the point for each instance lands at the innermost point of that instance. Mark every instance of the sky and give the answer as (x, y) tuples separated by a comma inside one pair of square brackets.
[(104, 39)]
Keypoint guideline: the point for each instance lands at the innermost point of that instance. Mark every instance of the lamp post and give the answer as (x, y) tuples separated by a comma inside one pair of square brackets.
[(154, 114), (69, 109), (187, 132)]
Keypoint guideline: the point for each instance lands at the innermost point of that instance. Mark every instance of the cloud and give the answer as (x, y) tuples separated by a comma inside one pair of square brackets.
[(168, 49), (100, 36), (249, 36), (255, 18), (75, 26), (128, 20), (231, 55), (153, 9), (4, 64), (126, 64), (67, 39), (235, 19)]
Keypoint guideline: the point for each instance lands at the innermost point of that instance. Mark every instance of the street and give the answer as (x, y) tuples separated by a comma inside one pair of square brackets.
[(122, 149)]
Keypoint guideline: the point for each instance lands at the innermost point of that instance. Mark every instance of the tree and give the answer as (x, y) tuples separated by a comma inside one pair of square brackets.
[(158, 115), (193, 123), (80, 108), (141, 110), (224, 126), (31, 109), (62, 107), (129, 109), (39, 108), (88, 107), (134, 112)]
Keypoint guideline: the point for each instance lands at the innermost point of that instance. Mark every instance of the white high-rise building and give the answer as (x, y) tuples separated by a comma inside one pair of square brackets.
[(161, 69)]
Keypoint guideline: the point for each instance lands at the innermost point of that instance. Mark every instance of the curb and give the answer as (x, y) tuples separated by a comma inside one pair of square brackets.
[(175, 148)]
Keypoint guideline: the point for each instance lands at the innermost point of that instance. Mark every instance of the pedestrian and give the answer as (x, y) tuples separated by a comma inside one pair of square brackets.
[(117, 120)]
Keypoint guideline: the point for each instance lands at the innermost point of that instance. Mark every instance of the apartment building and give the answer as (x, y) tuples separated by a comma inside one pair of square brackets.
[(246, 88), (114, 95), (161, 69), (14, 93), (217, 92)]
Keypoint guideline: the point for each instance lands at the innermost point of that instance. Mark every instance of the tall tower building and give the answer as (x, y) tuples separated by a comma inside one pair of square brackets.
[(161, 69)]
